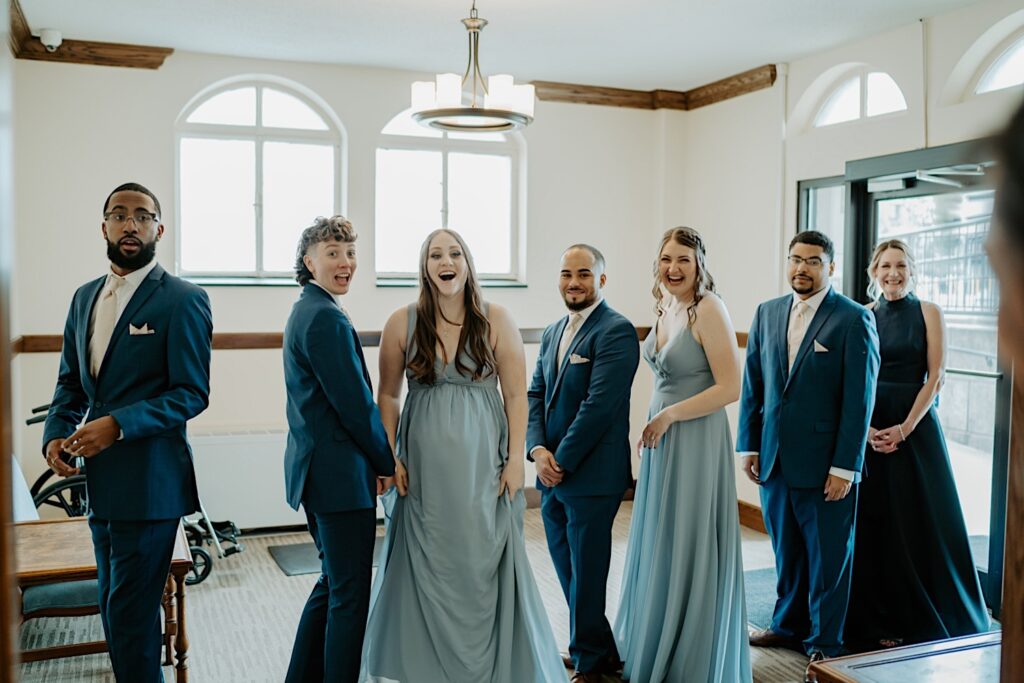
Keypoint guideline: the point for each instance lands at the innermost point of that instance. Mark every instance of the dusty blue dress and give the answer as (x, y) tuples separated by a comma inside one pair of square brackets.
[(455, 600), (682, 615)]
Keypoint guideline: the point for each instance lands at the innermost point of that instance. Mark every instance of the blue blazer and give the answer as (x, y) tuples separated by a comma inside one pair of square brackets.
[(817, 416), (337, 446), (152, 384), (580, 411)]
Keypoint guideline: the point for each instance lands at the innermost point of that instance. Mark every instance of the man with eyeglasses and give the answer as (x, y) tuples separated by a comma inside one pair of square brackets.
[(134, 368), (808, 391)]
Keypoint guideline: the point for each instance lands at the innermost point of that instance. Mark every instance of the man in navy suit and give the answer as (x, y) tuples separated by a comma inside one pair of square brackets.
[(578, 435), (808, 392), (337, 454), (134, 368)]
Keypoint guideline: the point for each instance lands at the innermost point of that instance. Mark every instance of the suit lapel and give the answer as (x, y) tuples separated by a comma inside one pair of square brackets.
[(550, 367), (828, 305), (141, 295), (84, 314), (781, 335), (584, 330)]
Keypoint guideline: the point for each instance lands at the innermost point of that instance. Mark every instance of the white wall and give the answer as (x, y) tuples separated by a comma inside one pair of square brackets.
[(81, 130), (613, 177)]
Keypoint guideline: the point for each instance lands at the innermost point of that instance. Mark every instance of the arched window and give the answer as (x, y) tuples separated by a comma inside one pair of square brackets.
[(469, 182), (868, 93), (258, 160), (1005, 71)]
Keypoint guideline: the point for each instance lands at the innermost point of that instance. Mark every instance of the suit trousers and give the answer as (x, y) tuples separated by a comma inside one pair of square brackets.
[(133, 559), (329, 642), (579, 533), (813, 544)]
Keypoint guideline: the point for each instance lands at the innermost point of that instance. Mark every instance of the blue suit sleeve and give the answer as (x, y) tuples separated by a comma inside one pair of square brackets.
[(189, 342), (536, 428), (860, 376), (69, 402), (751, 417), (611, 380), (334, 359)]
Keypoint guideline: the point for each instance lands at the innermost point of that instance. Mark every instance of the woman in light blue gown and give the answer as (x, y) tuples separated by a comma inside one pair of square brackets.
[(455, 600), (682, 615)]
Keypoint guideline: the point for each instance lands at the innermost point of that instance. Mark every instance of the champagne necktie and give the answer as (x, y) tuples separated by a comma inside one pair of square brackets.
[(103, 327), (570, 331), (799, 319)]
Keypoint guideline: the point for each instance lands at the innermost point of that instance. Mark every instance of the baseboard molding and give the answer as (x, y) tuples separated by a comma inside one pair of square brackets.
[(750, 517)]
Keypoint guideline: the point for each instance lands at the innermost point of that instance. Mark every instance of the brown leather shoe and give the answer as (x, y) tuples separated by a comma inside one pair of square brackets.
[(585, 677), (768, 638)]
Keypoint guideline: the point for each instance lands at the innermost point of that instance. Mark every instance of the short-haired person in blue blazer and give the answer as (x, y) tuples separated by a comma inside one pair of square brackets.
[(134, 368), (337, 457), (578, 435), (808, 393)]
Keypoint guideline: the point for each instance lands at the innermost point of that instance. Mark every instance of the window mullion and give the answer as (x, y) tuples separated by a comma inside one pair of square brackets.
[(258, 199)]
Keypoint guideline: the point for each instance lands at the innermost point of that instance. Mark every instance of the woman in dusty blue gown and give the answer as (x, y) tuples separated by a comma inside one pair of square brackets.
[(455, 599), (682, 615)]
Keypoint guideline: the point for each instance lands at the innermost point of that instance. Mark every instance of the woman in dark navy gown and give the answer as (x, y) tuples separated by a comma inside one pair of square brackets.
[(913, 575)]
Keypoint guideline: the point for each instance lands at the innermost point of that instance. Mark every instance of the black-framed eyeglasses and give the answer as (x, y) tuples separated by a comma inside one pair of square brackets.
[(812, 262), (143, 219)]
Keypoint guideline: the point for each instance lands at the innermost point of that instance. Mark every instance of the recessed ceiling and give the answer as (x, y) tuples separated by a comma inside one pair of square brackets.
[(643, 44)]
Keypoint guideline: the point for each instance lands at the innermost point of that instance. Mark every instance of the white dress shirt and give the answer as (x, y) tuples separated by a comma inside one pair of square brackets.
[(814, 303)]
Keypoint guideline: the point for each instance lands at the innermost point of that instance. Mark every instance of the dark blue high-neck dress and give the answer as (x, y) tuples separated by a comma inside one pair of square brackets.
[(914, 578)]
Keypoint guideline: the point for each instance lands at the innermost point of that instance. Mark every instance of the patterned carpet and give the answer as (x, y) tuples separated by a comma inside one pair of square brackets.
[(242, 619)]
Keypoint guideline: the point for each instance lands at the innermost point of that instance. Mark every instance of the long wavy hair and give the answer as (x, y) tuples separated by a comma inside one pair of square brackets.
[(874, 291), (687, 237), (474, 335)]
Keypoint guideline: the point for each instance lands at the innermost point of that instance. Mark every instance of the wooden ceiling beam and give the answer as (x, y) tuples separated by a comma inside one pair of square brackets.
[(25, 46), (726, 88)]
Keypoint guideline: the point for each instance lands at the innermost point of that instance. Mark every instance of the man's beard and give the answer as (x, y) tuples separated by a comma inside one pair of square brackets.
[(802, 288), (577, 306), (141, 259)]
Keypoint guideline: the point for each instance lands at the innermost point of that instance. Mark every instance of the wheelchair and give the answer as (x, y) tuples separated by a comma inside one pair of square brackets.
[(71, 496)]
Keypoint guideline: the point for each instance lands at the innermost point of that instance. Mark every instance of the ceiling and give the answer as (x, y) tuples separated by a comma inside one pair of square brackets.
[(643, 44)]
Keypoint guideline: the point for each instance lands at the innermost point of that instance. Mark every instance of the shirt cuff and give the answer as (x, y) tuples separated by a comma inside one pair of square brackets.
[(848, 475), (744, 454)]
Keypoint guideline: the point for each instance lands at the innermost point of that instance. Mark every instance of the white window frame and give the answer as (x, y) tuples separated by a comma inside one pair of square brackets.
[(862, 73), (513, 147), (335, 135), (990, 61)]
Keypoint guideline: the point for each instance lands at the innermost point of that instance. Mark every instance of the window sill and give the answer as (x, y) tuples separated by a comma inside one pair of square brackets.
[(414, 282), (211, 281)]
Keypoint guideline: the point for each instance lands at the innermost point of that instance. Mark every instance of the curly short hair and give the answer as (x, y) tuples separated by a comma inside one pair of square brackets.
[(337, 228)]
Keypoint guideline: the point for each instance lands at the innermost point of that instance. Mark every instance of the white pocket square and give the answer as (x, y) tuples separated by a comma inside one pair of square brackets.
[(819, 348), (132, 330), (576, 359)]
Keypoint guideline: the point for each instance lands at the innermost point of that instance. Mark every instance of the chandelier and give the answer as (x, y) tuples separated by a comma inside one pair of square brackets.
[(497, 105)]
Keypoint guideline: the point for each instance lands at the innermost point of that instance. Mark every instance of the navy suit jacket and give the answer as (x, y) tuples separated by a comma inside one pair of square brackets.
[(337, 446), (580, 411), (817, 416), (151, 384)]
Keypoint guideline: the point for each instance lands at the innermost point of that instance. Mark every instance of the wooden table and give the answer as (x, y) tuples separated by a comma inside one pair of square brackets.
[(970, 659), (61, 550)]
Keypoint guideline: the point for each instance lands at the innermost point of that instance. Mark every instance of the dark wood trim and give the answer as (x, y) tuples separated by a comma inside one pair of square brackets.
[(241, 341), (25, 46), (749, 81), (1013, 559), (573, 93), (751, 517)]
